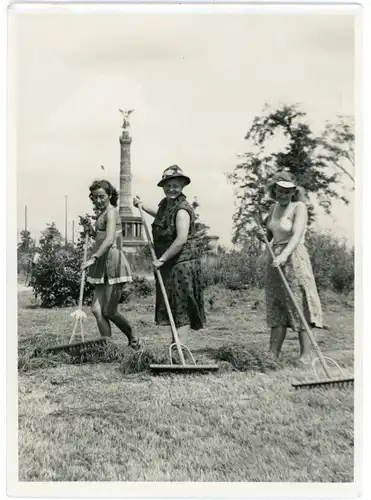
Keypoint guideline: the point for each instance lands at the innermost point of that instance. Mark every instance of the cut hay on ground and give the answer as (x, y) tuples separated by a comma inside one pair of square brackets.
[(32, 355), (235, 357), (139, 361), (245, 359)]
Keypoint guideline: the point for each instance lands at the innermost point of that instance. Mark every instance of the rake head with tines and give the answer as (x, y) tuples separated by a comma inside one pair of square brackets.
[(183, 367), (342, 383), (75, 349)]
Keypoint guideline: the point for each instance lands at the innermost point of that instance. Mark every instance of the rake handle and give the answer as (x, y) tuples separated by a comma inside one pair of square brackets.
[(296, 305), (162, 286), (83, 274), (81, 297)]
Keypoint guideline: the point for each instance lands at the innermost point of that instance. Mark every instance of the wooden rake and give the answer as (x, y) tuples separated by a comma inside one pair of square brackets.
[(329, 381), (183, 367), (79, 348)]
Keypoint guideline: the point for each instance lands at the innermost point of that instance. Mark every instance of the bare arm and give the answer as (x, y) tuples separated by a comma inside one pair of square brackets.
[(183, 221), (150, 210), (299, 225), (110, 234)]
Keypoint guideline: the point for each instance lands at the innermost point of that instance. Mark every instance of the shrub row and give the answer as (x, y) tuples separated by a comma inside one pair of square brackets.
[(332, 262), (56, 277)]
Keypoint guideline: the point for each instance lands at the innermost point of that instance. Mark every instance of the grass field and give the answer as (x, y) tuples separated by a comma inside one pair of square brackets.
[(92, 422)]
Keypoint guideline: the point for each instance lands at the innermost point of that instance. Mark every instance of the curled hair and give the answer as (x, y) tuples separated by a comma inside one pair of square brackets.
[(109, 189), (299, 193)]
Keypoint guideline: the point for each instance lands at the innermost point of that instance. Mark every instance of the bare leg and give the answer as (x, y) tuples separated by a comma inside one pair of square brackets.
[(111, 302), (97, 310), (305, 346), (278, 334)]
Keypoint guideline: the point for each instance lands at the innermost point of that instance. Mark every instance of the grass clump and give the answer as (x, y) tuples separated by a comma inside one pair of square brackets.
[(32, 353), (31, 356), (241, 358), (139, 361)]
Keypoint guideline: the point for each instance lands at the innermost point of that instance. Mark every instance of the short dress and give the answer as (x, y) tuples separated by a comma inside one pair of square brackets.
[(299, 274), (182, 275), (113, 266)]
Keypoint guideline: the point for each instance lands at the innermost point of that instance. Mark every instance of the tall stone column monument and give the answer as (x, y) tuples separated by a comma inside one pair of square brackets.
[(132, 226)]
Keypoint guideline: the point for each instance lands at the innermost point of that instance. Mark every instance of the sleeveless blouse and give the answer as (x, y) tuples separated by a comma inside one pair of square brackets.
[(164, 230), (282, 228)]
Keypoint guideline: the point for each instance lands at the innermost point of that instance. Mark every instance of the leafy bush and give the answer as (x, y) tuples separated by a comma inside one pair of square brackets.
[(139, 287), (57, 274), (332, 262), (56, 277), (237, 269)]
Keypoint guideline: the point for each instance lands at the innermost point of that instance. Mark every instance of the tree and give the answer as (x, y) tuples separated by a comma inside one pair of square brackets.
[(308, 157), (25, 250), (26, 244), (202, 241), (51, 236), (339, 145)]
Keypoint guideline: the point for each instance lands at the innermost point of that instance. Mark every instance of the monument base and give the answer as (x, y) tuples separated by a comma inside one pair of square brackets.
[(132, 229)]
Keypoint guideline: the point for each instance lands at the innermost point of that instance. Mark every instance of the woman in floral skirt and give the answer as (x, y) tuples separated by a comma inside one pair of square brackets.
[(286, 226)]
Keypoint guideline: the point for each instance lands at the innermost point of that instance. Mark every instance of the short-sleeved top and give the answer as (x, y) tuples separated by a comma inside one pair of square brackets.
[(164, 230), (282, 228)]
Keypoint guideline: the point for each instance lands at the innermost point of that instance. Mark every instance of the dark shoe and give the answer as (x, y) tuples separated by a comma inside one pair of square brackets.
[(135, 344)]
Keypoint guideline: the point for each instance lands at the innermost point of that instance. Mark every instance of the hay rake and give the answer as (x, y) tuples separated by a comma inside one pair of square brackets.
[(78, 349), (329, 381), (342, 382), (183, 367)]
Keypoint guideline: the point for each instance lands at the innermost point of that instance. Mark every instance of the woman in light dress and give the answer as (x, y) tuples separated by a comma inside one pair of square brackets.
[(286, 227)]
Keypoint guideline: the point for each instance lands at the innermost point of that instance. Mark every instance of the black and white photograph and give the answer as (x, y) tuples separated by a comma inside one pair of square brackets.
[(186, 184)]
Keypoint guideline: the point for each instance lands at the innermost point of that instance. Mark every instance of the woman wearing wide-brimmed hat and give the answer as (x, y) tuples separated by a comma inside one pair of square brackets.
[(177, 254), (286, 226)]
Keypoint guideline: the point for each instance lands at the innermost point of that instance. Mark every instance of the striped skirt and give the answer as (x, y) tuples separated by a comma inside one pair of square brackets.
[(112, 267)]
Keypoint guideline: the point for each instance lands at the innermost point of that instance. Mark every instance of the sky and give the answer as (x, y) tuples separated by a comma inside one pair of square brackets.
[(196, 82)]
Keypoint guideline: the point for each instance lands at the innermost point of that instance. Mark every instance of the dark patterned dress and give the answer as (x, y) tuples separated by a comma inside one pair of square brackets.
[(182, 274)]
